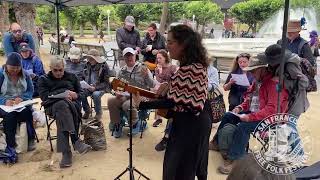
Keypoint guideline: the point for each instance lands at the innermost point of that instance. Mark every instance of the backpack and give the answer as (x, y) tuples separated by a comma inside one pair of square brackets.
[(309, 70)]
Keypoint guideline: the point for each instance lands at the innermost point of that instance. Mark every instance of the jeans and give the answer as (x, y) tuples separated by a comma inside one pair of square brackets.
[(96, 96), (241, 135), (10, 121)]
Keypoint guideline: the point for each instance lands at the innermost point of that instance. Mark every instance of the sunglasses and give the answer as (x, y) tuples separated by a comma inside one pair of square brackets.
[(17, 31), (57, 70)]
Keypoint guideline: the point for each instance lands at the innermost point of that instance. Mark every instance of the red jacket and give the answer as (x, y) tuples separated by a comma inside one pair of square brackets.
[(268, 97)]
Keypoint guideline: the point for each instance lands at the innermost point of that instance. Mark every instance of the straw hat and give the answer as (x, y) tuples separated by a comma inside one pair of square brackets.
[(294, 26), (255, 63)]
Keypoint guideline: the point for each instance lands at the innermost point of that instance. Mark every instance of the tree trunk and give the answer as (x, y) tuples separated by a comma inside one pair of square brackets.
[(95, 30), (164, 17), (69, 26), (202, 31), (254, 28), (81, 30), (25, 14), (4, 14)]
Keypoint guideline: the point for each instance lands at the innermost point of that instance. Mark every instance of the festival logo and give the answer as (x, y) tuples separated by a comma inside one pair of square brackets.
[(278, 148)]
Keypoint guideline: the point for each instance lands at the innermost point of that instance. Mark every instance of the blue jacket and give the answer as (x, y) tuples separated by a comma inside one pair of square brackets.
[(33, 63), (11, 45), (27, 95)]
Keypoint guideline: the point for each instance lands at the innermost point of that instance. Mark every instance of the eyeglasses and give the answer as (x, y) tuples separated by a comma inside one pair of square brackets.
[(57, 70), (16, 31)]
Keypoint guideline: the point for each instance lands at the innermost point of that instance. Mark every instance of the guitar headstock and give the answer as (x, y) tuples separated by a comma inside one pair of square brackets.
[(119, 84)]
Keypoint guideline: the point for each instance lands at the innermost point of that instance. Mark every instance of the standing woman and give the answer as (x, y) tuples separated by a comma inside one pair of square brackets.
[(236, 91), (186, 154)]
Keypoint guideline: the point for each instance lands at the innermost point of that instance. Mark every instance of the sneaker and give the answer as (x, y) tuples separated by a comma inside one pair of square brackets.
[(226, 167), (86, 115), (66, 160), (136, 128), (31, 145), (81, 147), (157, 122), (161, 145), (117, 131)]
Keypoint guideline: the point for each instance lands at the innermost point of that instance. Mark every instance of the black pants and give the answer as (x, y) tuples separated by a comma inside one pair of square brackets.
[(187, 151), (11, 121)]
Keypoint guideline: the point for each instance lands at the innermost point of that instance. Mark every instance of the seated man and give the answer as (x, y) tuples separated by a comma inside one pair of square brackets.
[(32, 64), (66, 109), (96, 74), (74, 64), (260, 101), (16, 86), (135, 74)]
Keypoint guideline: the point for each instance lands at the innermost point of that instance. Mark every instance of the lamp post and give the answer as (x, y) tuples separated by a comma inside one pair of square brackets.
[(108, 13), (193, 25)]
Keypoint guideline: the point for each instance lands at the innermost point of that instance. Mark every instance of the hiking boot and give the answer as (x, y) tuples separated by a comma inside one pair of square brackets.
[(98, 116), (226, 167), (157, 122), (31, 145), (81, 147), (213, 145), (66, 160), (86, 115), (161, 145)]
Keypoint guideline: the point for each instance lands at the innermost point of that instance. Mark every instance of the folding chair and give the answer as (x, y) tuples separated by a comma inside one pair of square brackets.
[(143, 116), (50, 120)]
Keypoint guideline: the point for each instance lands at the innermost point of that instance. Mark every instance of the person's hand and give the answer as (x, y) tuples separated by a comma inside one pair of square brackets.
[(9, 102), (236, 110), (68, 97), (73, 95), (17, 100), (163, 89), (144, 72), (32, 75), (92, 88), (136, 99), (138, 49), (154, 52), (244, 117), (232, 81)]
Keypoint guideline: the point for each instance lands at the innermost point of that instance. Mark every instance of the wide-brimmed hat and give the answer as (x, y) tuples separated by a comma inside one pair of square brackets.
[(272, 55), (74, 53), (130, 21), (25, 47), (255, 63), (93, 53), (294, 26), (128, 50)]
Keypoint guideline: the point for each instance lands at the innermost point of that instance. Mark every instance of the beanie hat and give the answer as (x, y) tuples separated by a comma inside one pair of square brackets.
[(14, 59)]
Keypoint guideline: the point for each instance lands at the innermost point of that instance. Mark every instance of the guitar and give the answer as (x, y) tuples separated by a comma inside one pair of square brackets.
[(120, 85)]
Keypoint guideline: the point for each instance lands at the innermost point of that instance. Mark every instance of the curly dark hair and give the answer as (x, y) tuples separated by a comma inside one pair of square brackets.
[(194, 51)]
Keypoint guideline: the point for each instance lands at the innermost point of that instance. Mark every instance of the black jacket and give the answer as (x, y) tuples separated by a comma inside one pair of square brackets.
[(158, 43), (49, 85)]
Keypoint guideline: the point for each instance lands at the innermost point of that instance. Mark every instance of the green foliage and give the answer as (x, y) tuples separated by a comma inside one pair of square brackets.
[(176, 11), (307, 4), (204, 11), (46, 16), (252, 12)]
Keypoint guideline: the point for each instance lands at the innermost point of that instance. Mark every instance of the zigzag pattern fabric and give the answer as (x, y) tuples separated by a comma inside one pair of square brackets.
[(188, 88)]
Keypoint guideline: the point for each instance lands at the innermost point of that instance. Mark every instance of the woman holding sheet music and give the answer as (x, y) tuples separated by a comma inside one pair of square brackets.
[(236, 91), (16, 87)]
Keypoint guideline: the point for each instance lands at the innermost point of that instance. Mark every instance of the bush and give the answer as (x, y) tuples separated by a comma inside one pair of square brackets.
[(1, 52)]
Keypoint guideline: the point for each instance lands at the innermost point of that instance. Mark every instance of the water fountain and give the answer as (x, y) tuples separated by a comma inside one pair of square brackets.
[(269, 33)]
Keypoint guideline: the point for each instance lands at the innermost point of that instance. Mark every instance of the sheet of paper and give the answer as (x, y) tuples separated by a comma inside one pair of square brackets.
[(59, 96), (84, 85), (18, 107), (241, 79), (29, 71)]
